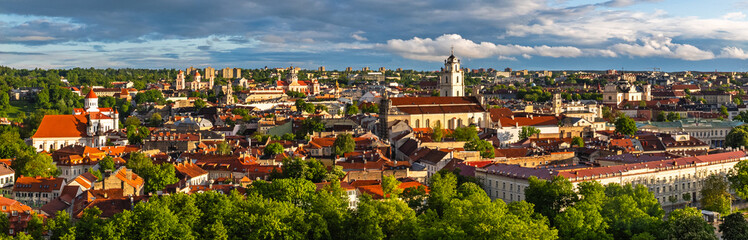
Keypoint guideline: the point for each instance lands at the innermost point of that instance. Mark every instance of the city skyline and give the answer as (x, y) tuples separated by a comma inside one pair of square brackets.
[(633, 35)]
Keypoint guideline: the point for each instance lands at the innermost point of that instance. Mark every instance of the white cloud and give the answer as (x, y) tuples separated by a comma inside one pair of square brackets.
[(661, 46), (733, 52), (428, 49), (734, 16), (358, 37)]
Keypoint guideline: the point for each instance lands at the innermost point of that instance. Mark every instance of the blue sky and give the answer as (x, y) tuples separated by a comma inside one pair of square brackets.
[(412, 34)]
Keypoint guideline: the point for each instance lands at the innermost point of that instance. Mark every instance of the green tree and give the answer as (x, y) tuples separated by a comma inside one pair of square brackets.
[(642, 104), (723, 111), (351, 110), (89, 225), (443, 187), (436, 132), (309, 126), (136, 134), (484, 147), (465, 134), (550, 197), (737, 137), (390, 187), (383, 219), (4, 223), (734, 227), (625, 126), (216, 231), (288, 137), (528, 131), (415, 197), (224, 148), (738, 178), (311, 169), (673, 116), (584, 220), (132, 121), (12, 145), (715, 195), (155, 120), (199, 104), (273, 149), (343, 144), (4, 101), (156, 176), (661, 116), (688, 224), (107, 163), (32, 164), (577, 141)]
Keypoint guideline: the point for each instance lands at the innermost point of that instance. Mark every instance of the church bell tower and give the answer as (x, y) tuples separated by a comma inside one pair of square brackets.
[(452, 81)]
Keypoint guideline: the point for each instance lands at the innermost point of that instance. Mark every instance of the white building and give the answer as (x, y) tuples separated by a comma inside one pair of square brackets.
[(624, 91), (452, 81), (86, 126), (666, 178)]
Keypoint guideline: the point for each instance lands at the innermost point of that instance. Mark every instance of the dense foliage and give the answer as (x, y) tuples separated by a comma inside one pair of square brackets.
[(293, 208)]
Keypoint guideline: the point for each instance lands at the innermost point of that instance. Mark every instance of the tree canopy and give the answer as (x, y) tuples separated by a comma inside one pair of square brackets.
[(343, 144), (528, 131), (625, 126)]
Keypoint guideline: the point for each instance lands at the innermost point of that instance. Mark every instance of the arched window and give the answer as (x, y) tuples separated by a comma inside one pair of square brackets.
[(428, 123), (418, 123)]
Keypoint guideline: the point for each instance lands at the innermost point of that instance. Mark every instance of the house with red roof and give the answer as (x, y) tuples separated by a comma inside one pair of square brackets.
[(292, 83), (509, 128), (18, 215), (37, 191), (86, 126)]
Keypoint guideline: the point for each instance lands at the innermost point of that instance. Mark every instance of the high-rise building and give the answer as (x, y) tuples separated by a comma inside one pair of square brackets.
[(236, 72), (365, 69), (382, 69), (322, 69), (227, 73), (190, 70), (451, 83), (210, 73), (349, 69)]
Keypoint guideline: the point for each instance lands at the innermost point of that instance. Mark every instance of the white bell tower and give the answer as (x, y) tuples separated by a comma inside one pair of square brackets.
[(452, 81)]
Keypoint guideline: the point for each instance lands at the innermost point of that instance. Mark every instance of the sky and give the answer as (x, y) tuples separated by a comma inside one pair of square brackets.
[(635, 35)]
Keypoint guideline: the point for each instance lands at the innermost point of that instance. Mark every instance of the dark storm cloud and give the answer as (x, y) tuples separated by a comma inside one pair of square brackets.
[(140, 20), (20, 53)]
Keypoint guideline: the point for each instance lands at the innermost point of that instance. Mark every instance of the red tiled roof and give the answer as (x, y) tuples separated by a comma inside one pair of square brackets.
[(134, 180), (91, 94), (376, 191), (189, 169), (38, 184), (529, 121), (59, 126), (498, 113)]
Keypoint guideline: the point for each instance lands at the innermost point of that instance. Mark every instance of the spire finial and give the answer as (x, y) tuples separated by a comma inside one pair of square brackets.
[(452, 51)]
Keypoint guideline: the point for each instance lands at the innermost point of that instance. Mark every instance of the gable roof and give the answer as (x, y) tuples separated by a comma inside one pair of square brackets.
[(60, 126), (529, 121), (189, 170), (433, 105), (38, 184)]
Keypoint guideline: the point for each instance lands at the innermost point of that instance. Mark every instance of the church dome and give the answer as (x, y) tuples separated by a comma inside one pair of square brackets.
[(452, 59), (91, 94)]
